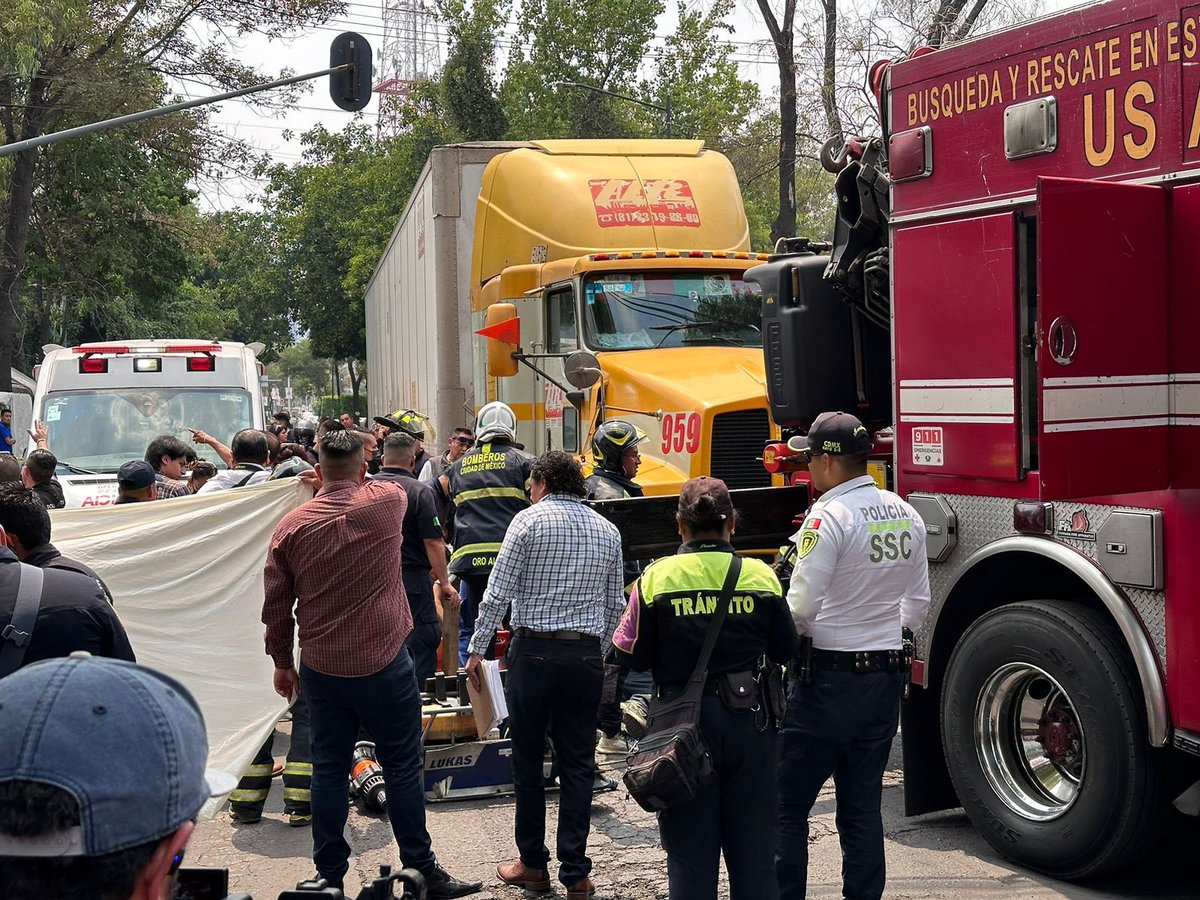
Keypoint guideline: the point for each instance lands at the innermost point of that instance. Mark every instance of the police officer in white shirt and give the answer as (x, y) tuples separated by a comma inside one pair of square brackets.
[(861, 576)]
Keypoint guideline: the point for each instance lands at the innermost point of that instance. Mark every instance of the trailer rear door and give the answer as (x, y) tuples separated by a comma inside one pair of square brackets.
[(1102, 338)]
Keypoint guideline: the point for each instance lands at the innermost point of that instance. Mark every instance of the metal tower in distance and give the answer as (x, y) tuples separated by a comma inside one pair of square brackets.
[(411, 53)]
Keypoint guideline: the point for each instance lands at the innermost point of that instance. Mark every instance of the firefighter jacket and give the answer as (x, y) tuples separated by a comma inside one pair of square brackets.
[(489, 485), (605, 485), (664, 625)]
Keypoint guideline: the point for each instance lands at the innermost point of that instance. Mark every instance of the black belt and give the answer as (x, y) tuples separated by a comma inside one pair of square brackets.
[(563, 635), (858, 661)]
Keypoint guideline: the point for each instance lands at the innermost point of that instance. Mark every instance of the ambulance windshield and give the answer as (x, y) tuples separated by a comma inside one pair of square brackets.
[(100, 431), (644, 309)]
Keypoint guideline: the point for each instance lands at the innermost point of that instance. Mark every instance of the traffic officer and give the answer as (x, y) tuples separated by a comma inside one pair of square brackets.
[(663, 629), (411, 423), (617, 460), (489, 484), (861, 577)]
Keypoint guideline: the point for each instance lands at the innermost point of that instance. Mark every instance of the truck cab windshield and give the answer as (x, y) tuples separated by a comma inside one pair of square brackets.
[(641, 310), (100, 431)]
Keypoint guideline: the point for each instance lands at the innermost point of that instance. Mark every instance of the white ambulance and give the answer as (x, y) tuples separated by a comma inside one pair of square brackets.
[(103, 403)]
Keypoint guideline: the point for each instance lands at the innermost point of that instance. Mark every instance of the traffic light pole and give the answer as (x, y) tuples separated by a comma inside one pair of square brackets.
[(351, 91), (93, 127)]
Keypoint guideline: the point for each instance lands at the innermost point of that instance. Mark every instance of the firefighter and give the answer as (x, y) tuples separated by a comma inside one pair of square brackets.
[(489, 485), (246, 801), (860, 577), (663, 629), (614, 450), (616, 456), (411, 423)]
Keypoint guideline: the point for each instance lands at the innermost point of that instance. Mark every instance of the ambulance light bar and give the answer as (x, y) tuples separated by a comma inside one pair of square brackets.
[(125, 350)]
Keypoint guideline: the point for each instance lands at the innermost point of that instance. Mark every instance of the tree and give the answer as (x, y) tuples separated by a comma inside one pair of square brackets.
[(696, 69), (468, 88), (329, 219), (600, 43), (781, 28), (69, 61), (308, 374)]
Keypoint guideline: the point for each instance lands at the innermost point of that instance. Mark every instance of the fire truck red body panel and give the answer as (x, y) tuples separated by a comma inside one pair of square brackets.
[(1027, 233), (1098, 242)]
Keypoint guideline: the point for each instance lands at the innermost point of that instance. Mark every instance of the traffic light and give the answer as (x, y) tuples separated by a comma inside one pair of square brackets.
[(350, 88)]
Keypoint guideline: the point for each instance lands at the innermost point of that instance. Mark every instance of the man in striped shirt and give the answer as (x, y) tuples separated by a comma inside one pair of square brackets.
[(560, 569)]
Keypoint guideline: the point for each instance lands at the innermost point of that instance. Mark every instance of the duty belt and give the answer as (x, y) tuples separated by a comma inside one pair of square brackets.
[(562, 635), (858, 661)]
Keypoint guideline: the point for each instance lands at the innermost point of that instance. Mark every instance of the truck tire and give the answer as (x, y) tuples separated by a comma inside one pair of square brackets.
[(1045, 739)]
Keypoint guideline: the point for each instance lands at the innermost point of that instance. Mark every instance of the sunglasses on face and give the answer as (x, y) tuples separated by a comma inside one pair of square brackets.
[(464, 440)]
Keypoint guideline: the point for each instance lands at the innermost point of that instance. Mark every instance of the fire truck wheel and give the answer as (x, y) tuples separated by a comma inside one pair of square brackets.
[(1045, 740)]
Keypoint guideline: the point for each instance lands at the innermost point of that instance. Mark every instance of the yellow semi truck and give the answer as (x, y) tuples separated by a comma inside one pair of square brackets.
[(611, 272)]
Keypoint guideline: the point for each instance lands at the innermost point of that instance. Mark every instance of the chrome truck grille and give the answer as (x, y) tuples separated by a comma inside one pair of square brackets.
[(738, 439)]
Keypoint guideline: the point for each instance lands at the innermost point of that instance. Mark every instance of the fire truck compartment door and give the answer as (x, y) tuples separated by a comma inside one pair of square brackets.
[(1102, 338), (955, 299)]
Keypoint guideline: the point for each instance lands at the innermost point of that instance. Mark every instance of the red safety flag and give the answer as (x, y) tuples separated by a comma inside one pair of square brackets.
[(508, 331)]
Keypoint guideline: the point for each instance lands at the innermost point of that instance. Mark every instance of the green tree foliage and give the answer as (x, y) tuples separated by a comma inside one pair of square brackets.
[(69, 62), (309, 375), (601, 43), (329, 219), (467, 85)]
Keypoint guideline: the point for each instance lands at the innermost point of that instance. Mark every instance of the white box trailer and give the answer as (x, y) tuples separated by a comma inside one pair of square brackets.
[(420, 351)]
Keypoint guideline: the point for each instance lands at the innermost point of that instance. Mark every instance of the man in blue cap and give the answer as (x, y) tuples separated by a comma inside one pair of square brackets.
[(102, 775), (137, 482)]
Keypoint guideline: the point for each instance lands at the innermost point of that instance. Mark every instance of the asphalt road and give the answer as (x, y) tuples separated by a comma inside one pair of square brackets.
[(934, 856)]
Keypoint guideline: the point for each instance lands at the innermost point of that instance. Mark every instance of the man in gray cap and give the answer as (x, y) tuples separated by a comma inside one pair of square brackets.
[(102, 775), (137, 482)]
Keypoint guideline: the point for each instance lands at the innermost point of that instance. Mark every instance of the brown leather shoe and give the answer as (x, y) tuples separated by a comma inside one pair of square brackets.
[(581, 890), (519, 874)]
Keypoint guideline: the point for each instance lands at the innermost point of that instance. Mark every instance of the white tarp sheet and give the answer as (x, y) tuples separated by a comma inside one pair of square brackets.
[(187, 582)]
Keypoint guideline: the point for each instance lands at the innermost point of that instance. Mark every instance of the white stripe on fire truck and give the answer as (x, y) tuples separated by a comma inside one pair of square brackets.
[(964, 400), (1105, 380), (974, 420), (957, 382), (1105, 424), (1185, 399), (1111, 402)]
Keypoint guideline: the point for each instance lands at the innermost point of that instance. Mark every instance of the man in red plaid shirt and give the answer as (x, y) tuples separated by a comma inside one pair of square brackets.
[(333, 569)]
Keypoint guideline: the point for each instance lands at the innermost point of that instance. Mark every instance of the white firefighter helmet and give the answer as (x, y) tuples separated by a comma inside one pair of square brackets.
[(495, 420)]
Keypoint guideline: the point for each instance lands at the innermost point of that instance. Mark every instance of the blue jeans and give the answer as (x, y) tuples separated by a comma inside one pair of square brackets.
[(388, 704), (841, 725)]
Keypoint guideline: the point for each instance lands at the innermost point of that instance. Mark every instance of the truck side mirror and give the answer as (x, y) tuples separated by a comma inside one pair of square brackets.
[(503, 333), (582, 369)]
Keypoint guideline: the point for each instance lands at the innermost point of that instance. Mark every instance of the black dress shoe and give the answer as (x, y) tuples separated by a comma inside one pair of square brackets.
[(440, 884)]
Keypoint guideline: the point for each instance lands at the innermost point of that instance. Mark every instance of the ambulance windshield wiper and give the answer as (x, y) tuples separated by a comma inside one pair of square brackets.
[(76, 470)]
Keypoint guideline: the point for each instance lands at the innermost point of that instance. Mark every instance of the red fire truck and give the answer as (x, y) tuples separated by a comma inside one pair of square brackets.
[(1012, 288)]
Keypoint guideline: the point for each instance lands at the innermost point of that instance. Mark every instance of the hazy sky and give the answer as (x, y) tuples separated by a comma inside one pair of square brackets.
[(310, 52)]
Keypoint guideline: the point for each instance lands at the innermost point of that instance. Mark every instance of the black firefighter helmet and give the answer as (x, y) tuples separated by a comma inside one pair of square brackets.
[(611, 441)]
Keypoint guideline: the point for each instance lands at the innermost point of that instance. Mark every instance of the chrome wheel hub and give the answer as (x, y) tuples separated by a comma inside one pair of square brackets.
[(1030, 741)]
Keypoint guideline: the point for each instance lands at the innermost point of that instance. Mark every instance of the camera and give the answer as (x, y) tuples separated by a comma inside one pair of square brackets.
[(213, 884)]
